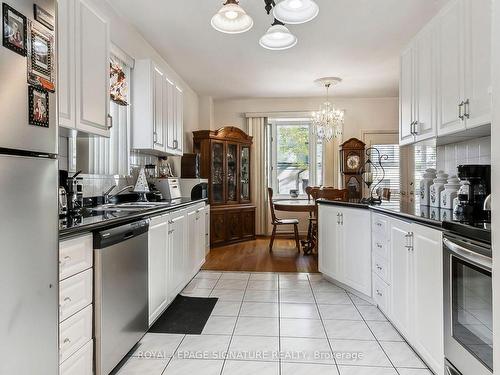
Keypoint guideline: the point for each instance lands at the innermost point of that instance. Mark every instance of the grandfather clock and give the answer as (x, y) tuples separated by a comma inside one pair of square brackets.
[(352, 158)]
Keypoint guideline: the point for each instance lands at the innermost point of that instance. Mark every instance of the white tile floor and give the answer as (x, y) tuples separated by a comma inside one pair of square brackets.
[(278, 324)]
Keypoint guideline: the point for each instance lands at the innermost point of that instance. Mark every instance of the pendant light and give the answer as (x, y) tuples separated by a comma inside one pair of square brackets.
[(278, 37), (232, 19), (296, 11)]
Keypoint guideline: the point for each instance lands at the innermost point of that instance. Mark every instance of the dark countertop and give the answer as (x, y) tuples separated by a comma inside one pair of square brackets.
[(90, 220), (430, 216)]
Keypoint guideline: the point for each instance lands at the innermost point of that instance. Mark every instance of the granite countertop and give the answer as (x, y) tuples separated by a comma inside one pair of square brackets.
[(430, 216), (90, 220)]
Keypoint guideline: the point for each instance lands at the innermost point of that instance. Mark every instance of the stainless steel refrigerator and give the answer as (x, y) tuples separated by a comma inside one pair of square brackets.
[(28, 218)]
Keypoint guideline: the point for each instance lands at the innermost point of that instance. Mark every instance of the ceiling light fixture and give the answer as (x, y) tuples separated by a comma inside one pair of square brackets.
[(296, 11), (232, 19), (328, 122), (278, 37)]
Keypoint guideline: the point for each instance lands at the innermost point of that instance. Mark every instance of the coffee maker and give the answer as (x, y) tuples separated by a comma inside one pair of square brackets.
[(476, 186)]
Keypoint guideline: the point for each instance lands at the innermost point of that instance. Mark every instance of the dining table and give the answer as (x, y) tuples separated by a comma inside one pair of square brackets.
[(300, 205)]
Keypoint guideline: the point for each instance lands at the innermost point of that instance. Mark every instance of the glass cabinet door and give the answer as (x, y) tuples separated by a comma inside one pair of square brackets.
[(245, 173), (217, 172), (232, 172)]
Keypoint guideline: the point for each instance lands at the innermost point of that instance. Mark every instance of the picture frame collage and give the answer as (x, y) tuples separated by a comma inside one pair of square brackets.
[(35, 41)]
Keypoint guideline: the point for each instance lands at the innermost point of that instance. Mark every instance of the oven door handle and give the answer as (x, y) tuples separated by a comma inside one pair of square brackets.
[(469, 255)]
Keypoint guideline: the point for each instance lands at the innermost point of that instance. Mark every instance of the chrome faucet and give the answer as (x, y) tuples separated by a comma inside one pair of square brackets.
[(107, 194)]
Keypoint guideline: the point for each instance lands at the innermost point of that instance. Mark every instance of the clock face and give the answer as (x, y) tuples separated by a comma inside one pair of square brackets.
[(353, 161)]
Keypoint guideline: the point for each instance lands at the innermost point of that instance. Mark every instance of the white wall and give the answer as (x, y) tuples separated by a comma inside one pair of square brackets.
[(360, 113), (125, 36)]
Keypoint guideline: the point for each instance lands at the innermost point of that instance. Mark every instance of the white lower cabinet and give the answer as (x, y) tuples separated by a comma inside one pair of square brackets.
[(74, 333), (79, 363), (408, 286), (344, 254), (176, 253)]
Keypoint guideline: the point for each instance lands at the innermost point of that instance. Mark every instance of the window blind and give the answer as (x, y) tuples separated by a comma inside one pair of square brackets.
[(391, 165)]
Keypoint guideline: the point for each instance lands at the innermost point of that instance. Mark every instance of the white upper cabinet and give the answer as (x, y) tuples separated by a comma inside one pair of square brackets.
[(158, 106), (478, 98), (445, 79), (406, 101), (451, 69), (84, 68)]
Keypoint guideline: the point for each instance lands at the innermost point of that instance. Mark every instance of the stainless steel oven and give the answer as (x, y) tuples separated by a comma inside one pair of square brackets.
[(467, 306)]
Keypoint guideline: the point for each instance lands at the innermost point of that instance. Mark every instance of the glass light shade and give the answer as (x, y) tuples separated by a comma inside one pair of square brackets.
[(232, 19), (278, 37), (328, 122), (296, 11)]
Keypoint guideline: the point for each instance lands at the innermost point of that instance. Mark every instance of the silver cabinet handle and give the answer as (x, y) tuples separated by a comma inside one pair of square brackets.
[(155, 137), (409, 237), (460, 115), (379, 245), (67, 299), (341, 219), (415, 128), (378, 267), (67, 340), (467, 109), (110, 121), (176, 144), (379, 293), (338, 218)]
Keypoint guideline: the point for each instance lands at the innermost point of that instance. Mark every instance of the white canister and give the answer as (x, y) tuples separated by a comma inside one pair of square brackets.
[(436, 188), (450, 192), (425, 184)]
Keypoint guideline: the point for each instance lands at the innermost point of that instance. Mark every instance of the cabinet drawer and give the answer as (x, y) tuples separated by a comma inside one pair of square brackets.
[(381, 293), (75, 293), (380, 247), (74, 333), (79, 363), (381, 267), (379, 226), (75, 255)]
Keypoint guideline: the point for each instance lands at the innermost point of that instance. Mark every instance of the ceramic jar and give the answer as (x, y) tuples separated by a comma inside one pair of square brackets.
[(436, 188), (450, 192), (425, 184)]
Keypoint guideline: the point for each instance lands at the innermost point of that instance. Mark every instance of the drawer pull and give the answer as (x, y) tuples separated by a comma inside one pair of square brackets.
[(379, 224), (67, 258), (379, 293), (67, 299), (66, 341), (379, 245), (379, 268)]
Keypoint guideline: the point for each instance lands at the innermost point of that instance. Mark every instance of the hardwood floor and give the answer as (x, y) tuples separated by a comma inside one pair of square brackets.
[(255, 256)]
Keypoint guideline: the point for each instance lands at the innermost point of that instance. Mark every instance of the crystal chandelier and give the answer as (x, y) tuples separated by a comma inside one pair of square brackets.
[(328, 122)]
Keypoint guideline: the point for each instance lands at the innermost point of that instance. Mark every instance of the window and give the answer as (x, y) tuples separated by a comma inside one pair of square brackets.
[(392, 179), (296, 156), (424, 157)]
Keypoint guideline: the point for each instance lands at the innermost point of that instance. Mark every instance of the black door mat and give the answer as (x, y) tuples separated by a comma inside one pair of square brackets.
[(185, 315)]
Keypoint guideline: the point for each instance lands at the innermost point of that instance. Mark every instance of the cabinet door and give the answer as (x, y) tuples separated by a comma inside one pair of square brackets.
[(170, 120), (478, 15), (425, 108), (92, 70), (248, 223), (179, 120), (66, 62), (157, 266), (450, 69), (233, 225), (159, 94), (217, 190), (177, 241), (217, 227), (401, 276), (232, 173), (245, 174), (428, 295), (406, 116), (329, 242), (192, 242), (200, 232), (356, 250)]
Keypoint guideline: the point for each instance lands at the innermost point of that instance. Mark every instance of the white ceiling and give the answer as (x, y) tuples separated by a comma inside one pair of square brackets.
[(358, 40)]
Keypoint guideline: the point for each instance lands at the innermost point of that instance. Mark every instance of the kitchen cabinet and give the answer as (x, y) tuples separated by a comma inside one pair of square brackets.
[(157, 266), (418, 89), (177, 244), (344, 255), (196, 240), (464, 66), (83, 58), (158, 113), (80, 363), (416, 291)]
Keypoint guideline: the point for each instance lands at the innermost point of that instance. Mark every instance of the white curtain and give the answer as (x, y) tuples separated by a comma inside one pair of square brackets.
[(258, 130)]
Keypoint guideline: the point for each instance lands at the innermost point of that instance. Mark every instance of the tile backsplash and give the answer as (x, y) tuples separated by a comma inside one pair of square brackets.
[(475, 151)]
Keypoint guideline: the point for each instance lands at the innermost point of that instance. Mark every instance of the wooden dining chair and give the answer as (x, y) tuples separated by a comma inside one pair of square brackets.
[(333, 194), (276, 222)]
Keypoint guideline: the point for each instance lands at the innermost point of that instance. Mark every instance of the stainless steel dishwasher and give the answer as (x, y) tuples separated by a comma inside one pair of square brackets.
[(121, 292)]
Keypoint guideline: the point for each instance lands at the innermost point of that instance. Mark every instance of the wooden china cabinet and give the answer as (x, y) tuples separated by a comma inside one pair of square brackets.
[(225, 160)]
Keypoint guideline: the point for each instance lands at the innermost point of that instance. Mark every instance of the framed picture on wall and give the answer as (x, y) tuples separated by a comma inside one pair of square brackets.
[(44, 17), (14, 30)]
